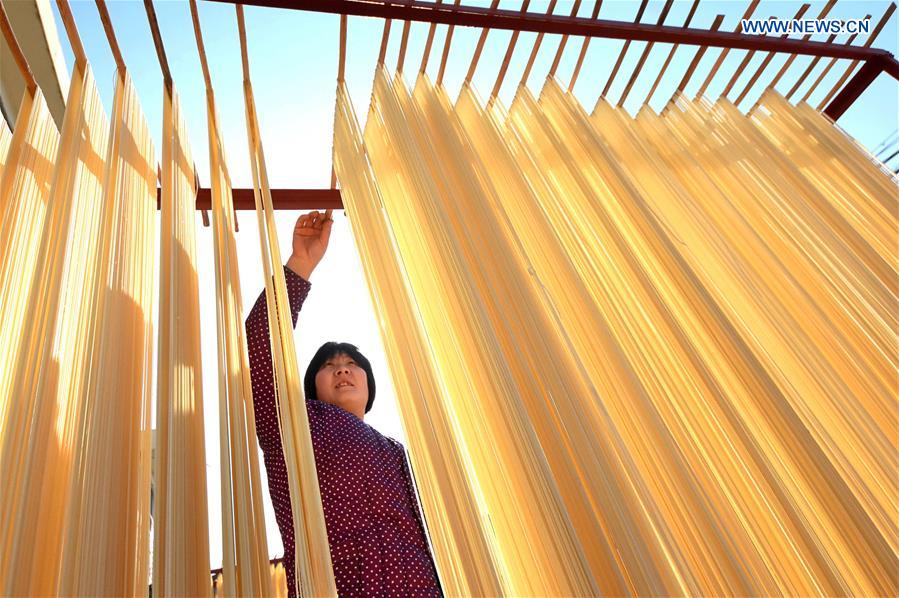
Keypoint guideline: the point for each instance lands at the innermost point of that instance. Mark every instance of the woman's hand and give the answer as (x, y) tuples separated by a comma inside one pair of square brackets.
[(310, 240)]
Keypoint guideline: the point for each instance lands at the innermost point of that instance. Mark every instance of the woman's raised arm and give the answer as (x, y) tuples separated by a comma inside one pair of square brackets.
[(310, 240)]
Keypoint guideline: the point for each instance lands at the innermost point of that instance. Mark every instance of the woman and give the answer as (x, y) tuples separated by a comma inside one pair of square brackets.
[(377, 540)]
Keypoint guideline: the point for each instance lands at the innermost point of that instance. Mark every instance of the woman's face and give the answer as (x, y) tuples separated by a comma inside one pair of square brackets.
[(341, 382)]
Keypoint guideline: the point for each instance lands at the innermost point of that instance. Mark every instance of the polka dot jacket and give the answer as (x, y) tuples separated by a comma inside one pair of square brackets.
[(378, 545)]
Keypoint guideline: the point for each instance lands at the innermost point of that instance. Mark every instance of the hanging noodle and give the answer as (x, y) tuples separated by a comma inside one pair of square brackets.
[(650, 355), (49, 375), (666, 339), (5, 138), (243, 526), (27, 159), (278, 576), (314, 573), (109, 524), (181, 528)]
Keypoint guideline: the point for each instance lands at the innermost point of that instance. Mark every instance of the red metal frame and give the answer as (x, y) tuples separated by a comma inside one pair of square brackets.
[(472, 16), (282, 199), (875, 60)]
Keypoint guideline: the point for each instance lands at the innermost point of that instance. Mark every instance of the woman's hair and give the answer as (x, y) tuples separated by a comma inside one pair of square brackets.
[(326, 352)]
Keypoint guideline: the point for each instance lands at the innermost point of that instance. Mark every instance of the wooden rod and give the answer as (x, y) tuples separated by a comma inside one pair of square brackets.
[(786, 65), (447, 41), (110, 35), (627, 44), (827, 68), (157, 42), (761, 69), (16, 50), (808, 70), (242, 35), (68, 21), (404, 42), (880, 25), (743, 63), (536, 48), (201, 48), (705, 84), (426, 55), (686, 78), (583, 53), (385, 37), (504, 67), (480, 47), (670, 56), (341, 65), (563, 42), (644, 56)]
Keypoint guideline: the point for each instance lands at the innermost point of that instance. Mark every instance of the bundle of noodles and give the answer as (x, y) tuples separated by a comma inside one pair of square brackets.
[(107, 528), (181, 528), (638, 332), (244, 544), (314, 573), (47, 374)]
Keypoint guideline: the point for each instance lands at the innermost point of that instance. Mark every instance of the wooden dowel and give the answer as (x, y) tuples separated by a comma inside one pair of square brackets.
[(480, 47), (761, 69), (201, 48), (341, 64), (786, 65), (705, 84), (827, 68), (880, 25), (693, 63), (157, 42), (563, 42), (110, 35), (242, 36), (670, 56), (404, 42), (808, 70), (627, 44), (68, 21), (16, 51), (385, 37), (739, 70), (426, 55), (447, 41), (536, 48), (644, 56), (583, 53), (504, 67)]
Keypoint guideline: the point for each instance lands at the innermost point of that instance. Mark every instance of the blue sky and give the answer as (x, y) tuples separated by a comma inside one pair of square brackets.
[(294, 65)]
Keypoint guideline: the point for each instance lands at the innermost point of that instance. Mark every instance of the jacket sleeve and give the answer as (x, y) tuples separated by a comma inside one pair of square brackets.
[(260, 355)]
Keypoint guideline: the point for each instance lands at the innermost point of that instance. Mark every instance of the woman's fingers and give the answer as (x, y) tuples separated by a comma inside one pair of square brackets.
[(313, 222)]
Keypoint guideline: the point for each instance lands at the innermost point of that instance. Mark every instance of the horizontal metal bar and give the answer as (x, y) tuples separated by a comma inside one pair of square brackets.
[(282, 199), (472, 16)]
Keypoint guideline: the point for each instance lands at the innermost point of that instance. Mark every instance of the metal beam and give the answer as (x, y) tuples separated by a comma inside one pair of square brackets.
[(282, 199), (859, 83), (472, 16)]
